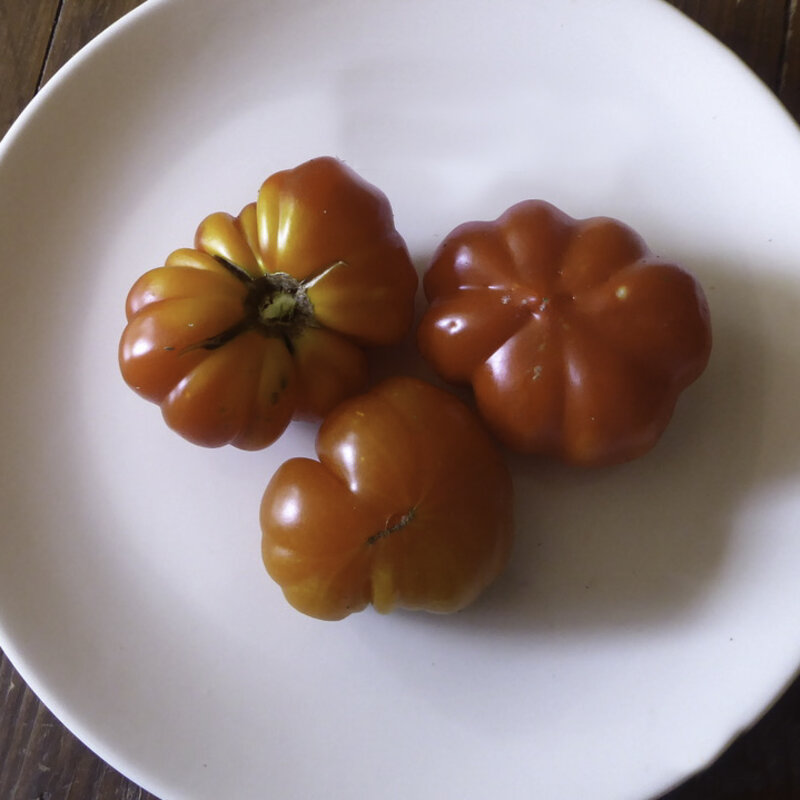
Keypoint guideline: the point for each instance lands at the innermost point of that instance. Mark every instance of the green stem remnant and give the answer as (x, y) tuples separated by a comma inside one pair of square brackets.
[(393, 527), (280, 307), (276, 304)]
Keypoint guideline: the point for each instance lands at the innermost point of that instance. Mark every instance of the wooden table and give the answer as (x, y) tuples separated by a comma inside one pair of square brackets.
[(39, 758)]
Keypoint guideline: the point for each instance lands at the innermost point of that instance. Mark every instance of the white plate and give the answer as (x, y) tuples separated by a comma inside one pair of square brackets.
[(650, 610)]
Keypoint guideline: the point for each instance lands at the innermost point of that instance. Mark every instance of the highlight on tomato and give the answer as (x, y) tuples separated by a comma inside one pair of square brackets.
[(575, 338), (409, 505), (266, 318)]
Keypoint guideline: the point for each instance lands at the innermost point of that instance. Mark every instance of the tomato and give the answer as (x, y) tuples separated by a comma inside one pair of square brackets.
[(575, 338), (409, 505), (265, 319)]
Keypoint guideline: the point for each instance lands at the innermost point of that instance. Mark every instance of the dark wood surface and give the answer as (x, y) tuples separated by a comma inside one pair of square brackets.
[(39, 758)]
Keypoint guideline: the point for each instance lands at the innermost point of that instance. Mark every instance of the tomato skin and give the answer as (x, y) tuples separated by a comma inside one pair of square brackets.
[(576, 339), (266, 317), (409, 506)]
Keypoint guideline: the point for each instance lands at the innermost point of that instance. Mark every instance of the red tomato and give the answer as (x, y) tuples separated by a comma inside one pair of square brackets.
[(265, 319), (409, 505), (576, 339)]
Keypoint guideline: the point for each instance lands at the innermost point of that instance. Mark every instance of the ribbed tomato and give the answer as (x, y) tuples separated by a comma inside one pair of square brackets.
[(576, 339), (409, 505), (266, 317)]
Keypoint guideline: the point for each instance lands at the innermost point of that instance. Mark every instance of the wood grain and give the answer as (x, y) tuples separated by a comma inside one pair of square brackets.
[(25, 31), (39, 758), (789, 89), (754, 29), (78, 23)]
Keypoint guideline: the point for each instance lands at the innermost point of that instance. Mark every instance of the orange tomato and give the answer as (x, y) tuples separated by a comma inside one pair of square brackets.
[(576, 339), (264, 320), (409, 505)]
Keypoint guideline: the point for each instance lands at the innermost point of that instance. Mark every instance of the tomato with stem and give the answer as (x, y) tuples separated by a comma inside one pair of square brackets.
[(266, 318)]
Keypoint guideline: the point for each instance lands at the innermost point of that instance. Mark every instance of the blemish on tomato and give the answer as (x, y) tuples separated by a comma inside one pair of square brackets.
[(394, 523)]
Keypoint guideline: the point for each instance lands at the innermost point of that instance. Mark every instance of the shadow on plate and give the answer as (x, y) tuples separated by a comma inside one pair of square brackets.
[(643, 543)]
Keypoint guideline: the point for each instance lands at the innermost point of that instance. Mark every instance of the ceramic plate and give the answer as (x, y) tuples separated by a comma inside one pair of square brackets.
[(649, 612)]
